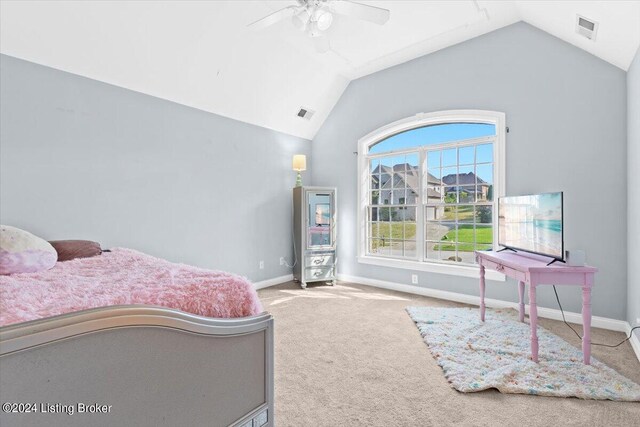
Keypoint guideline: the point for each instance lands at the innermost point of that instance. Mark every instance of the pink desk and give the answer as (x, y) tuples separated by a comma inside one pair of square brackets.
[(535, 272)]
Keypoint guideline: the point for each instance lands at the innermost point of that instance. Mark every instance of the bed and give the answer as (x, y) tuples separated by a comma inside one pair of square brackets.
[(128, 339)]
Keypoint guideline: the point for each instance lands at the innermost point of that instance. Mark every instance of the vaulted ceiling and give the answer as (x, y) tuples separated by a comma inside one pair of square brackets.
[(202, 54)]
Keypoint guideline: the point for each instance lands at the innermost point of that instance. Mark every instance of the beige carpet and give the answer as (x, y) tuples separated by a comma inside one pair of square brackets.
[(351, 356)]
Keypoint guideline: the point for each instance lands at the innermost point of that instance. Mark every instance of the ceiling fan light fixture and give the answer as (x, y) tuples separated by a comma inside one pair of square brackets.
[(324, 20), (301, 19)]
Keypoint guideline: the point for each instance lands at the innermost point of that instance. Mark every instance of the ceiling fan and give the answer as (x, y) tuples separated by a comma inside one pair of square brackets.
[(314, 17)]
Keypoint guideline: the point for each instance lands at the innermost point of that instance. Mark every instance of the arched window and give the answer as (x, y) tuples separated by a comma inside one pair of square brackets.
[(428, 190)]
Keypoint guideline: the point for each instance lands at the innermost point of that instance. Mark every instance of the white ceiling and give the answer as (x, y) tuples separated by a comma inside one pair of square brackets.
[(202, 54)]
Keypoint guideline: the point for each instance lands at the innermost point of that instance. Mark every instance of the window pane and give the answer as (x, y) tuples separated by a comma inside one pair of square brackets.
[(451, 194), (374, 230), (466, 214), (397, 248), (383, 214), (409, 230), (484, 235), (412, 197), (382, 247), (374, 245), (374, 171), (397, 215), (465, 238), (432, 250), (434, 195), (444, 231), (449, 157), (373, 216), (375, 197), (449, 213), (375, 182), (397, 195), (484, 153), (434, 176), (466, 194), (466, 175), (448, 251), (484, 214), (450, 176), (434, 134), (484, 174), (466, 155), (410, 249), (399, 178), (412, 162), (433, 159), (466, 254)]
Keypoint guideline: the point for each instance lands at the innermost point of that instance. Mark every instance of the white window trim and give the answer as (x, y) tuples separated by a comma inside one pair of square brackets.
[(420, 120)]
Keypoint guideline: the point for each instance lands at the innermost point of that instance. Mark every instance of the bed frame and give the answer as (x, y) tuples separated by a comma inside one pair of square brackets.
[(141, 365)]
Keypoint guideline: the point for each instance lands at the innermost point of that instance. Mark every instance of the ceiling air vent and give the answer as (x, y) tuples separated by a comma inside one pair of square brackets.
[(305, 113), (586, 27)]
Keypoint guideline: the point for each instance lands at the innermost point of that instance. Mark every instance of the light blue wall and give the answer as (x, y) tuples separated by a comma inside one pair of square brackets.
[(567, 113), (87, 160), (633, 213)]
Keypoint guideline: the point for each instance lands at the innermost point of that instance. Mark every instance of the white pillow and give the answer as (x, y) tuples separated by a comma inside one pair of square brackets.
[(22, 252)]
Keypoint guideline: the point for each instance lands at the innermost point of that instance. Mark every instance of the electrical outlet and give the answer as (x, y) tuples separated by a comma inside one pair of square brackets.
[(414, 279), (261, 265), (281, 260)]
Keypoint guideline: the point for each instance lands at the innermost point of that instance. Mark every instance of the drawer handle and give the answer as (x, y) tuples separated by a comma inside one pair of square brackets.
[(317, 261), (499, 267), (317, 273)]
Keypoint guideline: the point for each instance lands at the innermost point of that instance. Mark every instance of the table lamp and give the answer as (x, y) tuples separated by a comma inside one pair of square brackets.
[(299, 164)]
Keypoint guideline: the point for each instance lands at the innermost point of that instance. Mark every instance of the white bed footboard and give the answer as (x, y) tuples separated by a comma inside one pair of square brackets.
[(137, 366)]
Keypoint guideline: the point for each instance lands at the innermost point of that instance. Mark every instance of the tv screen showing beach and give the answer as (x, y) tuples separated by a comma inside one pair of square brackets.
[(532, 223)]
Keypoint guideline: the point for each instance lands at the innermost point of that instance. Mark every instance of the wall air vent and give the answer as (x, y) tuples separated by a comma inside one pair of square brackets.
[(305, 113), (586, 27)]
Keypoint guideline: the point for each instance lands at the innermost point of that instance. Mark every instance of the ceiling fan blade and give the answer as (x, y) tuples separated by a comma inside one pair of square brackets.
[(322, 44), (273, 18), (374, 14)]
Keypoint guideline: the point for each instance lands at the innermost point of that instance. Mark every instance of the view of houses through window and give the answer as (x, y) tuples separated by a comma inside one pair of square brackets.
[(431, 193)]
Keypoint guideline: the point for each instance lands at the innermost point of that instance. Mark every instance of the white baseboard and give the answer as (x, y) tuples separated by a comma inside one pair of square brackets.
[(635, 341), (548, 313), (272, 282)]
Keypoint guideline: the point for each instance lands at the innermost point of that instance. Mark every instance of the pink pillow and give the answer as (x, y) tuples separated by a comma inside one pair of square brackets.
[(22, 252)]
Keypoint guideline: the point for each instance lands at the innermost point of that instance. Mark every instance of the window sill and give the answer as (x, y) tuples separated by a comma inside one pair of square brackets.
[(454, 270)]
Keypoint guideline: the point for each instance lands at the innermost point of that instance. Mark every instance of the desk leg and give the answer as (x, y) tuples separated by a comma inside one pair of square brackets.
[(533, 320), (521, 300), (482, 285), (586, 325)]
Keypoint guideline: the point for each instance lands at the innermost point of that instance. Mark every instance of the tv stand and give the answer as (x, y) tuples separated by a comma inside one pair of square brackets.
[(536, 272), (507, 249), (555, 260)]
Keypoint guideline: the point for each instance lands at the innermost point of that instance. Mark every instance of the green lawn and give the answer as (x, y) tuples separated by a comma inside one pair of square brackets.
[(464, 237), (381, 231), (464, 213)]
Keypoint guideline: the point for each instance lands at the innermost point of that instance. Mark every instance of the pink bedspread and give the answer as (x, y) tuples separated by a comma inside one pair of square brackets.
[(124, 276)]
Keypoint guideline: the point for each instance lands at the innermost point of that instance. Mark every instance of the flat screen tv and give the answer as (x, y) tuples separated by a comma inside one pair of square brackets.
[(532, 223)]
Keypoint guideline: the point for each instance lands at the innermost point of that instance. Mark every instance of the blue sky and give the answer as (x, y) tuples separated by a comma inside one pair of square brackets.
[(434, 135)]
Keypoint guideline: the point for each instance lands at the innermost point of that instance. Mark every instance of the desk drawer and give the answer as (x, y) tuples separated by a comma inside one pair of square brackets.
[(319, 273), (507, 271), (319, 260)]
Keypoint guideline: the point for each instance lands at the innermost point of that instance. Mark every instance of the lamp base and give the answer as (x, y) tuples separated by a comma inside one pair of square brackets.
[(299, 180)]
